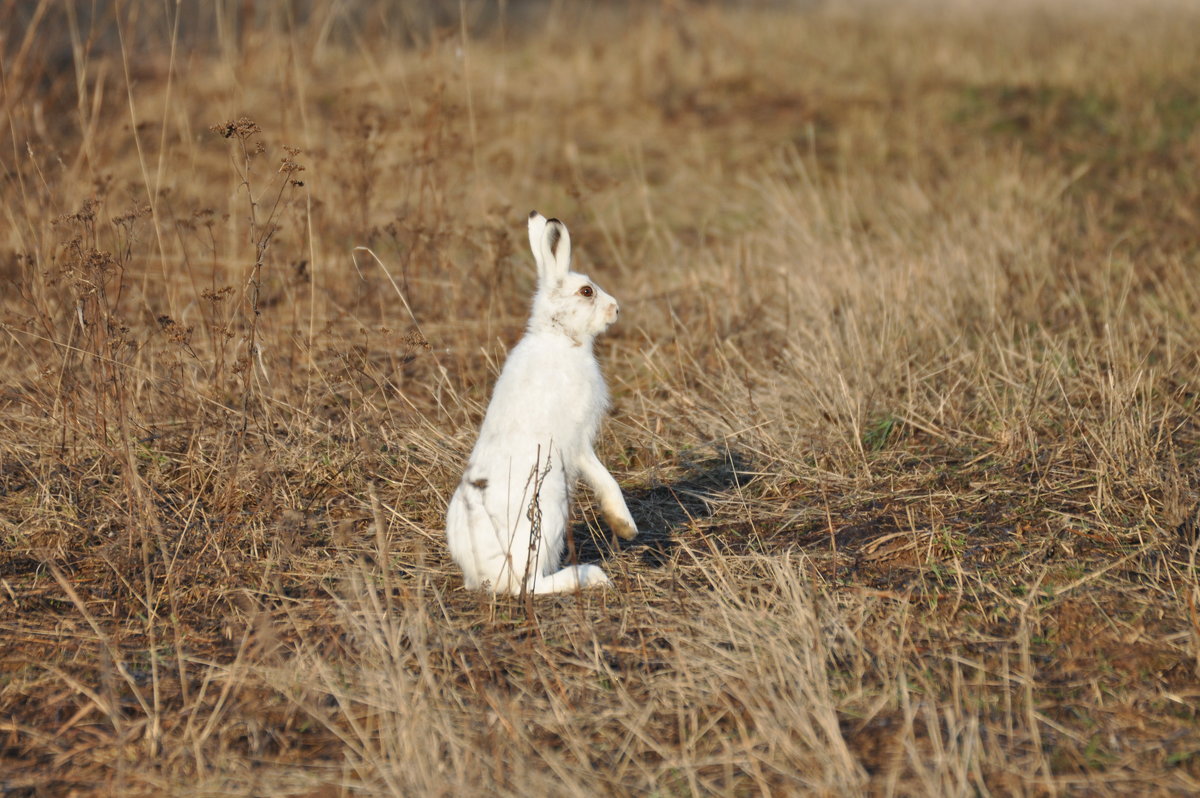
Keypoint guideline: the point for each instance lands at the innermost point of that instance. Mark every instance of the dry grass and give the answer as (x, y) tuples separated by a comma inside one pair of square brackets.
[(906, 390)]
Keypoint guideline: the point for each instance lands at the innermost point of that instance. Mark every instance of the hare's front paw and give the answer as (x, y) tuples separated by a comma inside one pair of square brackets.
[(623, 526)]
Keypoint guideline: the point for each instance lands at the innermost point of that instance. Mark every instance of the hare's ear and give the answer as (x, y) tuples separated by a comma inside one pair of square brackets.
[(556, 250), (537, 227)]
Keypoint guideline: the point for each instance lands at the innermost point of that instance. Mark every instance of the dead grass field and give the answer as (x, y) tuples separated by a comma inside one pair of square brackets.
[(905, 398)]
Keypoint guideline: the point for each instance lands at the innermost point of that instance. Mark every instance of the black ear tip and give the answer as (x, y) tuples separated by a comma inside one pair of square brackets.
[(553, 221), (532, 214)]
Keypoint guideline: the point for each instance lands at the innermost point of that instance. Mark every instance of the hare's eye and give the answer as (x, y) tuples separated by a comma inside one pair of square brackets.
[(586, 291)]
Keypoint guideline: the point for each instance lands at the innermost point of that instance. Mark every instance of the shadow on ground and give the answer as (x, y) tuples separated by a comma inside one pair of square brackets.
[(682, 493)]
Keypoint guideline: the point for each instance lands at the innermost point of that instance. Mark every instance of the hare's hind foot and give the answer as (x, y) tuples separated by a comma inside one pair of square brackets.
[(573, 577)]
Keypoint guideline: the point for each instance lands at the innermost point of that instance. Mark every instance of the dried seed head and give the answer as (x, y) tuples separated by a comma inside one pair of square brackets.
[(243, 128)]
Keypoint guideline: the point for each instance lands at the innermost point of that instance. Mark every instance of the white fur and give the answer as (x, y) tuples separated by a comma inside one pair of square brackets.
[(507, 521)]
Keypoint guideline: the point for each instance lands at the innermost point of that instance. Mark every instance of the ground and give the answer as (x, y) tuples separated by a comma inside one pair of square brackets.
[(905, 394)]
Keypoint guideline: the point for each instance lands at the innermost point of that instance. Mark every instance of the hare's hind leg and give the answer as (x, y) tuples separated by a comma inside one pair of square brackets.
[(481, 544), (460, 539), (612, 503)]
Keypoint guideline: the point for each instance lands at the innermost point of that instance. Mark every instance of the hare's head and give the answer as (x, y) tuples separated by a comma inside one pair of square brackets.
[(566, 301)]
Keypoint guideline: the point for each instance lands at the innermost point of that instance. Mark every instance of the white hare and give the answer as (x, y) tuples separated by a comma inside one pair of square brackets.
[(507, 521)]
